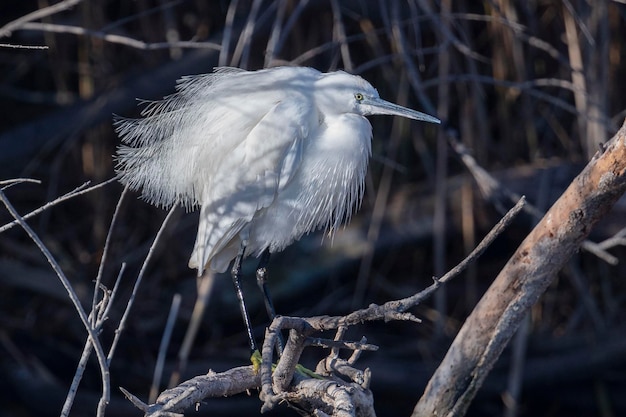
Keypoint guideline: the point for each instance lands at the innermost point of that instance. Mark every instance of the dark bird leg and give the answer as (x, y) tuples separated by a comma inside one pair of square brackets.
[(261, 280), (236, 276)]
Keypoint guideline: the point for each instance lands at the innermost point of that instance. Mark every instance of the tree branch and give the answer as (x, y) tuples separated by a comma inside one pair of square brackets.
[(524, 278), (344, 391)]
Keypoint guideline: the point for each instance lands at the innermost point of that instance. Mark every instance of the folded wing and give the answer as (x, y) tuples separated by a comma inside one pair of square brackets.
[(248, 179)]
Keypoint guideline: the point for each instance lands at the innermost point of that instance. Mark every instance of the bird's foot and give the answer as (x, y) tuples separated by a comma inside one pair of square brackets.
[(256, 360), (308, 372)]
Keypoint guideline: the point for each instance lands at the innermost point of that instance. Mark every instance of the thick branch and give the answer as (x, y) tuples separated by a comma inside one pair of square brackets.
[(193, 391), (523, 279)]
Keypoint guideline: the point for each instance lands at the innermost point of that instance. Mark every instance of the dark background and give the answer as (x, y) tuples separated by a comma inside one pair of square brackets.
[(531, 88)]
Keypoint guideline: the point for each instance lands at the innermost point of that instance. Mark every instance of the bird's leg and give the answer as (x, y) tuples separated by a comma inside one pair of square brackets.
[(236, 276), (261, 280)]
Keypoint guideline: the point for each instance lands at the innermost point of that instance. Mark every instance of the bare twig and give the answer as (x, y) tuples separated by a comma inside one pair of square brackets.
[(15, 181), (37, 14), (99, 314), (340, 344), (113, 293), (404, 304), (240, 54), (165, 341), (117, 39), (136, 401), (102, 362), (272, 43), (205, 289), (122, 324), (227, 36), (12, 46), (339, 32), (82, 189), (105, 252), (99, 310), (619, 239), (97, 319)]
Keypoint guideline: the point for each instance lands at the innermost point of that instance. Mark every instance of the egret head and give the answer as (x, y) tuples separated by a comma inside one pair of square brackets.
[(339, 92)]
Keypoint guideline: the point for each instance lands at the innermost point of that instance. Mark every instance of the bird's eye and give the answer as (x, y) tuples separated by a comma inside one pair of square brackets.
[(359, 97)]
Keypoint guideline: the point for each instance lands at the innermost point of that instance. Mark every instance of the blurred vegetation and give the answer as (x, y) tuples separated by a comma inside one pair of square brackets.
[(531, 88)]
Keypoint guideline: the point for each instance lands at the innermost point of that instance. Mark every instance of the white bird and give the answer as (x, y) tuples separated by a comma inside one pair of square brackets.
[(267, 155)]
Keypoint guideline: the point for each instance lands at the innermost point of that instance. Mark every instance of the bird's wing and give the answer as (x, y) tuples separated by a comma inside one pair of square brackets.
[(249, 179), (173, 148)]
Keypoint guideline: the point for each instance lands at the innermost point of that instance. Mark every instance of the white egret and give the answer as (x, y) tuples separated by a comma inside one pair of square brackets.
[(267, 155)]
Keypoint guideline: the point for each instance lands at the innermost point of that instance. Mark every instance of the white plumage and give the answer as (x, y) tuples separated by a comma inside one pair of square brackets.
[(268, 155)]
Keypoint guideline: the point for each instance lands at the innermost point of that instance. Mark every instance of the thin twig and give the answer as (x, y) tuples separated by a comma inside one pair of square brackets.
[(228, 33), (102, 362), (618, 238), (15, 181), (98, 315), (114, 290), (78, 376), (406, 303), (12, 46), (240, 55), (121, 326), (339, 31), (117, 39), (165, 341), (37, 14), (205, 288), (272, 43), (136, 401), (340, 344), (80, 190), (105, 252)]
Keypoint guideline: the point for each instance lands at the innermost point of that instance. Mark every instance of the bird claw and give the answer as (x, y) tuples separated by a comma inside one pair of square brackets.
[(307, 372), (256, 360)]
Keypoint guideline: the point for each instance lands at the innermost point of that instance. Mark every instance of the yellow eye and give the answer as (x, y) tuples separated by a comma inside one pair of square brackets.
[(359, 97)]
